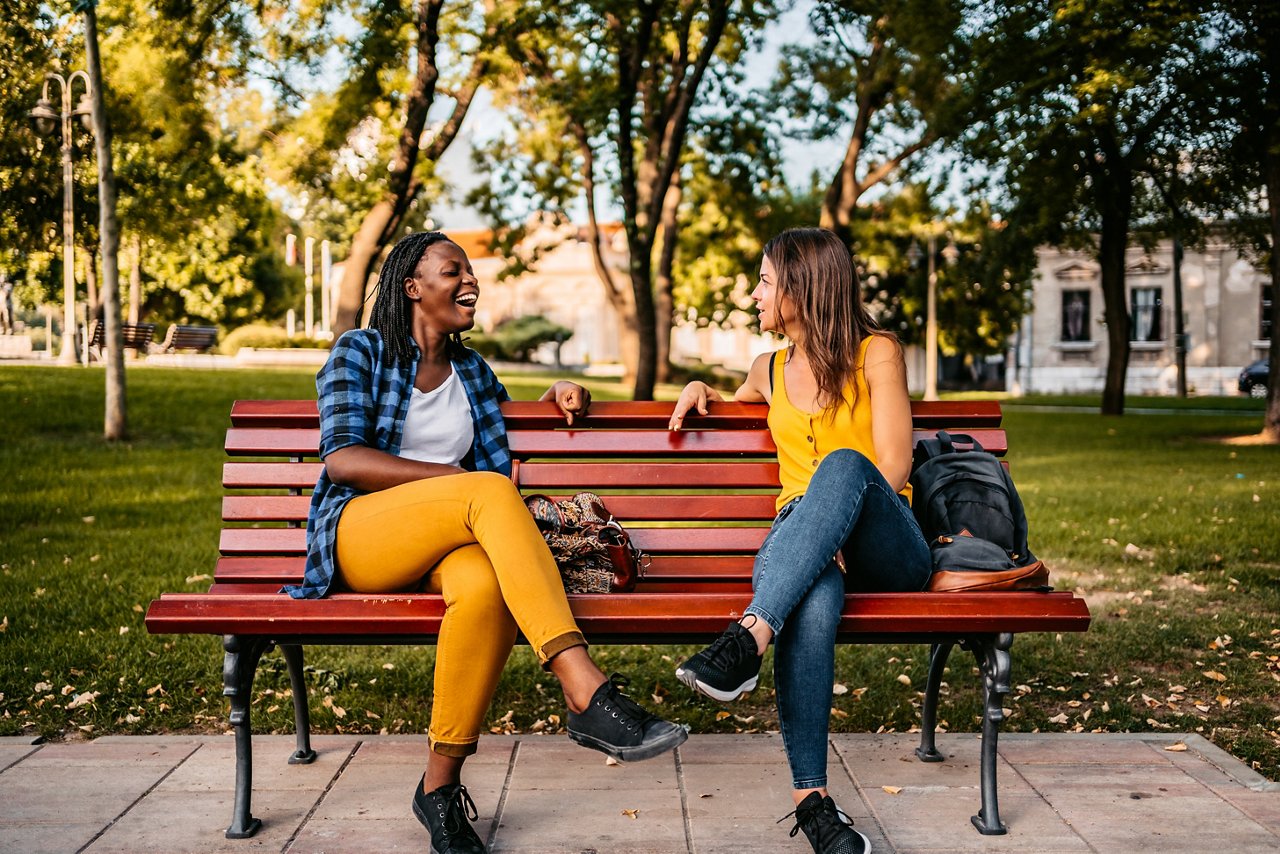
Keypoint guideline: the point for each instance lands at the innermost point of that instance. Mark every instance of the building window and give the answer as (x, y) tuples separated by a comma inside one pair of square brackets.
[(1264, 324), (1075, 316), (1144, 311)]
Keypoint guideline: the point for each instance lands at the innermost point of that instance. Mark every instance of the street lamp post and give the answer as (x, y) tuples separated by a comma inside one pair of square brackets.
[(949, 254), (46, 119)]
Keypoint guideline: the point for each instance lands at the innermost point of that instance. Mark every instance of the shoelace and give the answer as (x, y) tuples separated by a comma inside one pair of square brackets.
[(457, 807), (725, 651), (633, 717), (825, 830)]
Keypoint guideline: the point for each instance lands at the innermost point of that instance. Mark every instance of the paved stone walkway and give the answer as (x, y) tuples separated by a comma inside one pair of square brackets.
[(718, 793)]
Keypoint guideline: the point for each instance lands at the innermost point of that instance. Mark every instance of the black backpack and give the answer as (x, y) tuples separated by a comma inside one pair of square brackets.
[(964, 490)]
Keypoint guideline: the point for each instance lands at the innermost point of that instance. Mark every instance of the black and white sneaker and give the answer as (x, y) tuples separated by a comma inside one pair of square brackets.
[(828, 829), (614, 724), (728, 669), (448, 812)]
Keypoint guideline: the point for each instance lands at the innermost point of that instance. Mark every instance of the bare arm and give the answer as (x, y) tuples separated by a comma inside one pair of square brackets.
[(697, 394), (370, 470), (886, 373)]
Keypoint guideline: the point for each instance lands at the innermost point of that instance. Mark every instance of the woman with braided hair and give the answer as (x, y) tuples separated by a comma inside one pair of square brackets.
[(416, 495)]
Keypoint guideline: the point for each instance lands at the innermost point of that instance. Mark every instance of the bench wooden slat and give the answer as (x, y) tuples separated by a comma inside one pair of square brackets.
[(415, 618), (966, 414), (287, 541), (576, 443), (627, 508), (539, 475), (662, 568), (271, 475)]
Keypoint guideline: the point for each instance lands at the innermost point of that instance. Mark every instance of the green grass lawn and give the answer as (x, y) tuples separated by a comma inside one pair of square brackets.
[(1171, 535)]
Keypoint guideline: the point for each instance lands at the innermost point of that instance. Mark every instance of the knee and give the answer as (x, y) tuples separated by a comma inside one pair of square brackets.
[(847, 458), (489, 486)]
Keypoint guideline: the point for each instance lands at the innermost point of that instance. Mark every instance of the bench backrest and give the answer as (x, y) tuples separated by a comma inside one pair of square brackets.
[(190, 337), (136, 336), (656, 482)]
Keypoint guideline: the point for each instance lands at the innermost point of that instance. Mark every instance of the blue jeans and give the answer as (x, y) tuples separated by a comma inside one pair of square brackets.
[(799, 589)]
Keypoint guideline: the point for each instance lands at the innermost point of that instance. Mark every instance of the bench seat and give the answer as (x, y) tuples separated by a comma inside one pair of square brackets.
[(640, 617), (698, 502)]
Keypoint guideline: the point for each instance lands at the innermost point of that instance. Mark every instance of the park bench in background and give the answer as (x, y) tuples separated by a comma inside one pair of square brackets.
[(711, 478), (136, 336), (197, 338)]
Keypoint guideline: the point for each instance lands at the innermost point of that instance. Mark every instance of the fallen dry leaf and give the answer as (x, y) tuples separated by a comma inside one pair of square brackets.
[(839, 689), (1215, 676), (721, 715), (893, 790), (631, 814), (1059, 718), (84, 699), (840, 713), (1176, 747), (904, 679), (609, 761)]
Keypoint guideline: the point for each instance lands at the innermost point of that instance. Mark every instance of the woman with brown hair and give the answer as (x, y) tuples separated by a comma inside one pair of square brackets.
[(416, 494), (841, 419)]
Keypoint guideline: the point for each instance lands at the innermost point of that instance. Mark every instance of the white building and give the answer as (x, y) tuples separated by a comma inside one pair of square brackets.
[(1063, 343)]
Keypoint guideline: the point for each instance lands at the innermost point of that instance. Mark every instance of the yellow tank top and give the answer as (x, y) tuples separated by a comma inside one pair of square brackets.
[(804, 438)]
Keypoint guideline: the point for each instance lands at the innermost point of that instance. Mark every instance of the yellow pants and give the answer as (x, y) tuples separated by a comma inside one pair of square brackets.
[(475, 543)]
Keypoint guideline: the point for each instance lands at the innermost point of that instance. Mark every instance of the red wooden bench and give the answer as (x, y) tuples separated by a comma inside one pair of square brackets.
[(717, 480)]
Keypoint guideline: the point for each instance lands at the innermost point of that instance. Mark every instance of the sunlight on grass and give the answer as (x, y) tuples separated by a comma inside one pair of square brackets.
[(1170, 534)]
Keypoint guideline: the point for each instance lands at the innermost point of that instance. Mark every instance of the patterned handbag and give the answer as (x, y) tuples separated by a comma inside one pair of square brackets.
[(591, 549)]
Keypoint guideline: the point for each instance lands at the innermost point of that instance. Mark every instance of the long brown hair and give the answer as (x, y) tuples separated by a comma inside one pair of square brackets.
[(815, 272)]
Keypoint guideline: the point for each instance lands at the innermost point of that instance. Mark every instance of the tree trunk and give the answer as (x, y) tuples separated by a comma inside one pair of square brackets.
[(1111, 256), (383, 221), (115, 420), (1271, 420), (1269, 115), (135, 279), (91, 294), (664, 299)]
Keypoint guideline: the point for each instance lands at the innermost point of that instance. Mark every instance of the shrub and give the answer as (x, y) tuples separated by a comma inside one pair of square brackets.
[(260, 336), (515, 339)]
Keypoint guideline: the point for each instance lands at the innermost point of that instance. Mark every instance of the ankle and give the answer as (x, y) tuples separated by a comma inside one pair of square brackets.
[(759, 631), (798, 795), (577, 697)]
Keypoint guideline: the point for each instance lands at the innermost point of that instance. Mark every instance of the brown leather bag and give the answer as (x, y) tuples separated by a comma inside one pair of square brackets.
[(970, 564), (591, 549)]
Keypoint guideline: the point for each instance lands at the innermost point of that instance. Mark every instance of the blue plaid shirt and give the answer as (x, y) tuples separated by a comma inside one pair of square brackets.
[(364, 397)]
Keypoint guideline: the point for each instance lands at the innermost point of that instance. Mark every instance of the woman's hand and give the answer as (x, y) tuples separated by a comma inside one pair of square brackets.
[(695, 396), (572, 399)]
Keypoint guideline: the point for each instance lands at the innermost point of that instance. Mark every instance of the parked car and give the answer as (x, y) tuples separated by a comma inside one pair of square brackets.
[(1254, 380)]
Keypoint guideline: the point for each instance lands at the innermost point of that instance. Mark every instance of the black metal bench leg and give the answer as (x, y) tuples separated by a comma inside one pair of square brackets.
[(238, 666), (927, 751), (303, 755), (994, 661)]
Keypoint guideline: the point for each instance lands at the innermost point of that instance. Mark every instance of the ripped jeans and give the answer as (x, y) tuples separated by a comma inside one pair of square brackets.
[(799, 589)]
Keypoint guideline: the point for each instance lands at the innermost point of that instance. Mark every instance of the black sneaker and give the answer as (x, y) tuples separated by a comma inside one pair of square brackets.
[(728, 669), (615, 725), (828, 830), (445, 812)]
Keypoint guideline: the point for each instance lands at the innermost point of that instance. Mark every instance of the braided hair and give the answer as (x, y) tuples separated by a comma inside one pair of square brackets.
[(391, 310)]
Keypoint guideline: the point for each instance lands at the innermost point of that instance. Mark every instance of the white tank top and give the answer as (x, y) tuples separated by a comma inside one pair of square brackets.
[(438, 426)]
